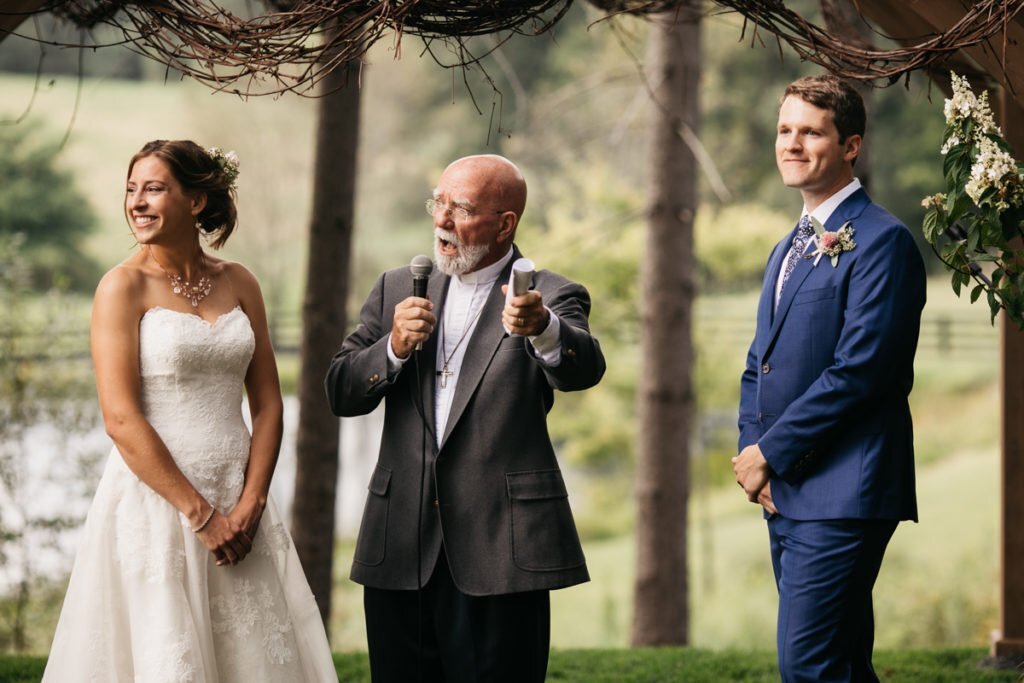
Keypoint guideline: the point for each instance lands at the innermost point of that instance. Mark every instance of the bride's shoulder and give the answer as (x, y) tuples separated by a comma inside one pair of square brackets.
[(120, 293), (239, 276), (125, 273), (123, 282)]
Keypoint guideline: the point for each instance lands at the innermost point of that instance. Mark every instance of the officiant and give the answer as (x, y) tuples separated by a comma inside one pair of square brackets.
[(467, 525)]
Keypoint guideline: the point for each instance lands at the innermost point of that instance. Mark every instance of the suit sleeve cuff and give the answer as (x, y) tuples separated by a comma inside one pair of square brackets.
[(395, 363), (548, 344)]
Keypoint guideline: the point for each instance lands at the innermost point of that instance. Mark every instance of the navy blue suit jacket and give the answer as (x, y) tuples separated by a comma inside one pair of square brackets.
[(824, 392)]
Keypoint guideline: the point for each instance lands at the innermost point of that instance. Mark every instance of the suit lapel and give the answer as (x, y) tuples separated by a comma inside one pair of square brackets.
[(481, 347), (850, 208), (766, 306)]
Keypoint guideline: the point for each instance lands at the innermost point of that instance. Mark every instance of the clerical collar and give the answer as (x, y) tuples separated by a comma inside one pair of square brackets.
[(488, 273)]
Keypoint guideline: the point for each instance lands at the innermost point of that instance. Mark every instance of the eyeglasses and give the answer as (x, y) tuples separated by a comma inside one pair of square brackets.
[(459, 213)]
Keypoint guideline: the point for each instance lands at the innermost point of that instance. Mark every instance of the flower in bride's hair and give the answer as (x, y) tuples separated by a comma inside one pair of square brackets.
[(229, 164)]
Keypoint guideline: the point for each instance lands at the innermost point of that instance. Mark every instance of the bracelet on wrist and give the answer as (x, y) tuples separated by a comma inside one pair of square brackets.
[(206, 521)]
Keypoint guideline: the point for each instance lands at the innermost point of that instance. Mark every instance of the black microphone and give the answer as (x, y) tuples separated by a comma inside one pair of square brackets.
[(421, 266)]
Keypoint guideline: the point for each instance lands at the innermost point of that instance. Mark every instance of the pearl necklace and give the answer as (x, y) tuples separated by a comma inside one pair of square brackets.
[(182, 287)]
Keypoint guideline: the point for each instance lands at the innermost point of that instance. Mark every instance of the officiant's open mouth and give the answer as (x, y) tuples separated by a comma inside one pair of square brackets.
[(447, 242)]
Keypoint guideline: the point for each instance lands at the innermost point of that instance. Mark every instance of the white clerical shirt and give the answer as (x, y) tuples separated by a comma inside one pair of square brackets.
[(466, 296)]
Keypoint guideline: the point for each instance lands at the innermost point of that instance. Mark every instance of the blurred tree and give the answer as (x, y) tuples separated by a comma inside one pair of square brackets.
[(323, 327), (39, 200), (665, 393), (36, 389), (844, 20)]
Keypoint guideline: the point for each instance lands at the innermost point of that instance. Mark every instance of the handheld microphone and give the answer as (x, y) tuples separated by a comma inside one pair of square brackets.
[(421, 266), (519, 280)]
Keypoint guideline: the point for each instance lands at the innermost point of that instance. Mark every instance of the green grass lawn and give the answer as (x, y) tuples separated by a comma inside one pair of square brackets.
[(668, 665)]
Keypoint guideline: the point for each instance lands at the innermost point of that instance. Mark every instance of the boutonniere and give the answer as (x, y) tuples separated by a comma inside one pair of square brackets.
[(831, 243)]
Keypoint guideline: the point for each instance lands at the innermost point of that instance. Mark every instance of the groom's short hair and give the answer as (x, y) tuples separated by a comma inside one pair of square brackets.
[(834, 95)]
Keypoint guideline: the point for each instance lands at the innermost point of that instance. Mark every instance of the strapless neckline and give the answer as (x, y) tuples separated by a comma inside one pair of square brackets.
[(188, 314)]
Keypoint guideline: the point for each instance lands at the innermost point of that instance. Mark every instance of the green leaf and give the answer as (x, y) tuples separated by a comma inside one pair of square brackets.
[(818, 227), (957, 282), (959, 207), (930, 226), (973, 236), (976, 292), (953, 165)]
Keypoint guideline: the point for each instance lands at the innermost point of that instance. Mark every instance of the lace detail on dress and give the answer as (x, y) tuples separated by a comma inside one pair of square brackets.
[(272, 539), (166, 661), (247, 609), (143, 551)]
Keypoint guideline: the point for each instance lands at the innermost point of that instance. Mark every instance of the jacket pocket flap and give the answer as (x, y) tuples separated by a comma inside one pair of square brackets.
[(807, 295), (379, 481), (538, 485)]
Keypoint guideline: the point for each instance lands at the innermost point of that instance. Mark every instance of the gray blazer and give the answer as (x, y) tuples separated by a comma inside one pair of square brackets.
[(493, 491)]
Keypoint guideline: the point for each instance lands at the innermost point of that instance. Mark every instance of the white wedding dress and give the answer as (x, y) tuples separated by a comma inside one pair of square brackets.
[(146, 602)]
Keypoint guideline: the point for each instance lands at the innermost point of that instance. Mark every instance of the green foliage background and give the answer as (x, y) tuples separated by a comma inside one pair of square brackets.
[(39, 199), (572, 111)]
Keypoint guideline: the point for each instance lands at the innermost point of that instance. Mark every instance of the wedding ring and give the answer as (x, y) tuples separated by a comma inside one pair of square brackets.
[(519, 321)]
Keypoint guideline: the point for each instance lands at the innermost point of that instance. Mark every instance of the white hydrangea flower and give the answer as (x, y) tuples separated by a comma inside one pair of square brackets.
[(959, 107), (990, 167)]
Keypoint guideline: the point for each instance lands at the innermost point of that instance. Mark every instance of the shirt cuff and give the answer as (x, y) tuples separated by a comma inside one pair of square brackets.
[(394, 362), (548, 344)]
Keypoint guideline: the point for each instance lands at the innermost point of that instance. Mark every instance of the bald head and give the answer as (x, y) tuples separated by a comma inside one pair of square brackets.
[(498, 177)]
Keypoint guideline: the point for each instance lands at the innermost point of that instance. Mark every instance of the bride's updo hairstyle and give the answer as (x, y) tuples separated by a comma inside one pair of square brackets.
[(198, 171)]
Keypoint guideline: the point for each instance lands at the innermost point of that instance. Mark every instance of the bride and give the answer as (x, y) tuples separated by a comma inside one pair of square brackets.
[(186, 572)]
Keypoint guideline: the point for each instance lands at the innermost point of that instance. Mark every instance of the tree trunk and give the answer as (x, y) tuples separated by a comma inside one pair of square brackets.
[(666, 398), (843, 19), (323, 327)]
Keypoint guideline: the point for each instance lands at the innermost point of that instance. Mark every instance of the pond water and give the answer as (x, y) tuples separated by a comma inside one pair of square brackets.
[(56, 474)]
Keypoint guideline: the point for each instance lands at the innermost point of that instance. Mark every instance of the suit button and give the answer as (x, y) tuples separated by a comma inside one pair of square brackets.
[(374, 378), (437, 504), (765, 369), (571, 353)]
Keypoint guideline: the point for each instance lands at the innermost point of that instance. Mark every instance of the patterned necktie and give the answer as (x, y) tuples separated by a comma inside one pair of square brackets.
[(804, 230)]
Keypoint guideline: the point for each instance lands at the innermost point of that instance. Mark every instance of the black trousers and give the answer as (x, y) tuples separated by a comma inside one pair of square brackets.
[(442, 635)]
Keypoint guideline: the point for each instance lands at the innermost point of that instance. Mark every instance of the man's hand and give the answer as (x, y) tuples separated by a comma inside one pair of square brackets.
[(765, 499), (751, 471), (413, 323), (525, 314)]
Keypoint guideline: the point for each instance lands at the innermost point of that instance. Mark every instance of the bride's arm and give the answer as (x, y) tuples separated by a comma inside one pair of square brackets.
[(263, 389), (114, 339)]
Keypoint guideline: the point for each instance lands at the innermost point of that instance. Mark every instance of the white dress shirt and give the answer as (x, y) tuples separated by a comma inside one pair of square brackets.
[(466, 296), (822, 213)]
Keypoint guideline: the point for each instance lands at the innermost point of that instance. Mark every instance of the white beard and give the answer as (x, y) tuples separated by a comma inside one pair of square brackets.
[(465, 259)]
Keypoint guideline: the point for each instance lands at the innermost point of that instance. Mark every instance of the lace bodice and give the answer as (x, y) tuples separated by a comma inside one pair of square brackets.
[(192, 381)]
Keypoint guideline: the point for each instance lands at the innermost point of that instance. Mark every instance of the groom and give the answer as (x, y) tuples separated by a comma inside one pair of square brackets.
[(826, 441)]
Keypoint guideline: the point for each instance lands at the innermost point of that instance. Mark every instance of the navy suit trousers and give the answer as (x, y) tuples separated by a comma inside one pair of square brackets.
[(824, 571)]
